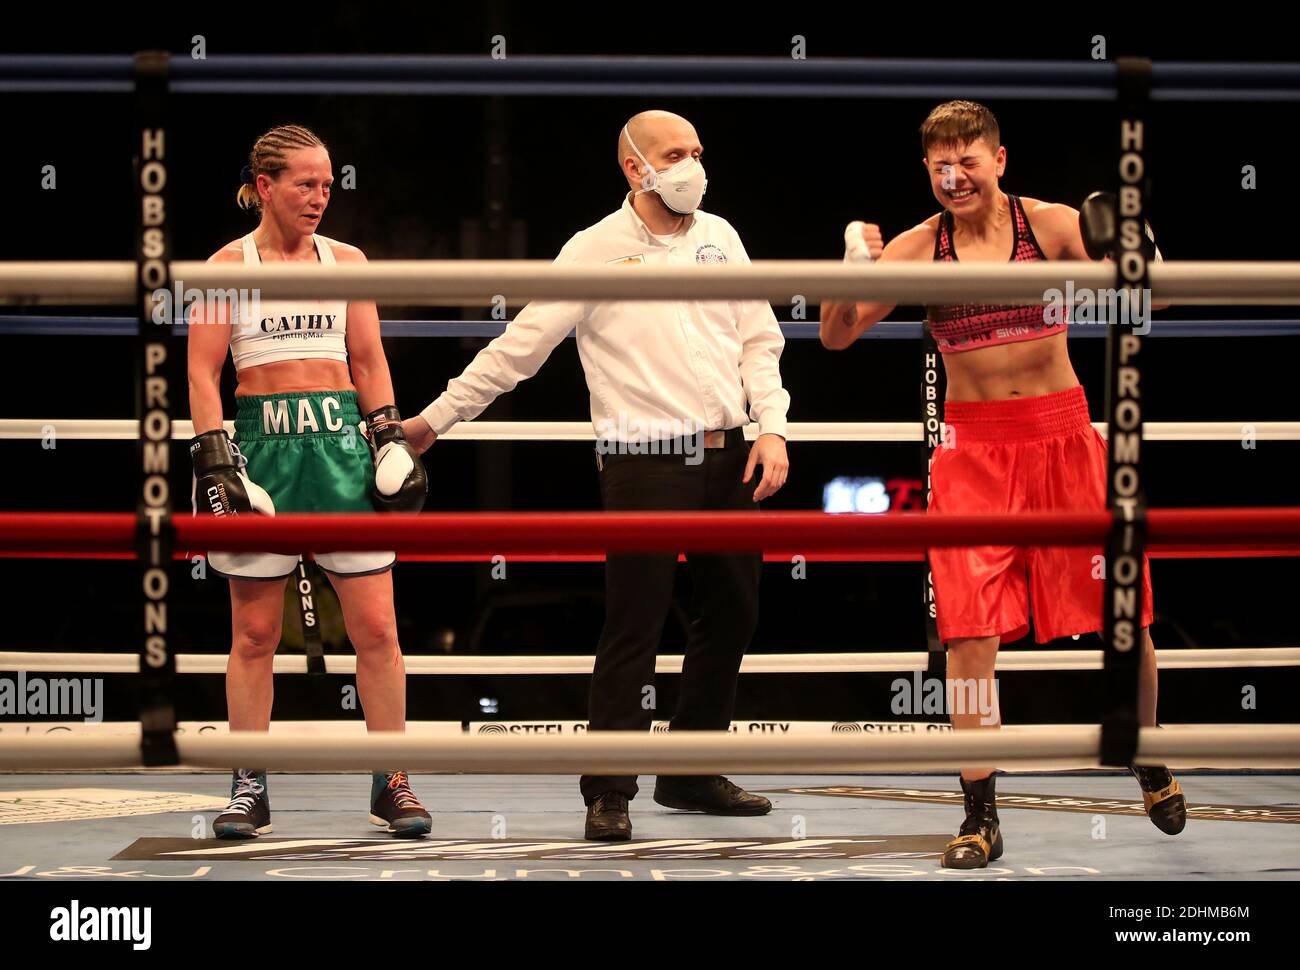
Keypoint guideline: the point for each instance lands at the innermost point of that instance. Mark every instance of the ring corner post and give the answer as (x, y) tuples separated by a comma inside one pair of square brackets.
[(156, 310), (1122, 596)]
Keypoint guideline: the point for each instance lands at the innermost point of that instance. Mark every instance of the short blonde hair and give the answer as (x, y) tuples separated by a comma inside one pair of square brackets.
[(959, 123), (270, 157)]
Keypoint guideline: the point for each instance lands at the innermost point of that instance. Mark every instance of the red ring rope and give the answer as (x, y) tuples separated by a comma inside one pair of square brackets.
[(1237, 550), (593, 532)]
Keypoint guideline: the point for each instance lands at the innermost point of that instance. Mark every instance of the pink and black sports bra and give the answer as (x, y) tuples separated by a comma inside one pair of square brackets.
[(974, 326)]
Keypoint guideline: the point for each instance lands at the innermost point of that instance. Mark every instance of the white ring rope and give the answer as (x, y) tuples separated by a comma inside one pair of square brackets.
[(357, 728), (672, 753), (94, 429), (480, 282), (771, 663)]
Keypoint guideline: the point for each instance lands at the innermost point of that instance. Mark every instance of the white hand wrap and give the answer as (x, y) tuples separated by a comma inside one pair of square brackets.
[(855, 247)]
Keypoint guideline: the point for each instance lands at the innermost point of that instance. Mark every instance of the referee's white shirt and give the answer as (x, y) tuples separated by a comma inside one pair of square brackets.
[(649, 365)]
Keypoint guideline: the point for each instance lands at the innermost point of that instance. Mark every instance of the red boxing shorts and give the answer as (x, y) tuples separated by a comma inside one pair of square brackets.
[(1037, 454)]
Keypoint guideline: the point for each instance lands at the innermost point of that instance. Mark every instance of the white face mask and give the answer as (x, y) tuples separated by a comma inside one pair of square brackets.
[(681, 187)]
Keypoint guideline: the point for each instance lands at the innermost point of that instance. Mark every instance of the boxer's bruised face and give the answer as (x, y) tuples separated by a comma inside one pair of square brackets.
[(964, 178), (299, 195)]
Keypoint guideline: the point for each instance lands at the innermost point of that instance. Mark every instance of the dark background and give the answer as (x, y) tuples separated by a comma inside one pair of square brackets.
[(788, 173)]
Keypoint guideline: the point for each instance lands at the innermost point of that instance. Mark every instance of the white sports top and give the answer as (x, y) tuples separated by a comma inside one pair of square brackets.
[(274, 330)]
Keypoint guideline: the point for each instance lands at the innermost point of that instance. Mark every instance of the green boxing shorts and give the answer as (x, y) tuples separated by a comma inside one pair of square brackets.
[(307, 450)]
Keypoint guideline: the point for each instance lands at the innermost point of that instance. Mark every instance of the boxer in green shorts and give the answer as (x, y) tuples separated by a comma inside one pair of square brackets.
[(307, 371), (308, 453), (307, 450)]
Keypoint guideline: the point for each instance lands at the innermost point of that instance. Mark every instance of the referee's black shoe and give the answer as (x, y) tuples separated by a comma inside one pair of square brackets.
[(712, 794), (607, 819)]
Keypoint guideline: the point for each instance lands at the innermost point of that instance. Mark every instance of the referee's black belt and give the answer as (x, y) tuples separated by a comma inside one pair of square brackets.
[(687, 444), (708, 440), (717, 440)]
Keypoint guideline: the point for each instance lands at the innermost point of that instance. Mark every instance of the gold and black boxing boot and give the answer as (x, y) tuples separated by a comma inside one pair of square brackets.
[(1162, 797), (979, 840)]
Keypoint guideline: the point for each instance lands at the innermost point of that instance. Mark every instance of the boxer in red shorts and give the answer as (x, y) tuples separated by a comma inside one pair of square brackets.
[(1017, 439)]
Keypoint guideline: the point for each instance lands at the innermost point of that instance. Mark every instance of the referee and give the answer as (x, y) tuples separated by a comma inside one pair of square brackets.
[(672, 384)]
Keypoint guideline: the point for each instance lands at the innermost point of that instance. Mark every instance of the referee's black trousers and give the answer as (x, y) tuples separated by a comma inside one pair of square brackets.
[(639, 592)]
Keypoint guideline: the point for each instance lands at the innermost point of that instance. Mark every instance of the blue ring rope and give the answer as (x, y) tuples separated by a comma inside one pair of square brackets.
[(86, 326), (641, 76)]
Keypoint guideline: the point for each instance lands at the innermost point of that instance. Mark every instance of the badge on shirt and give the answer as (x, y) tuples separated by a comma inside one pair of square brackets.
[(636, 260), (710, 254)]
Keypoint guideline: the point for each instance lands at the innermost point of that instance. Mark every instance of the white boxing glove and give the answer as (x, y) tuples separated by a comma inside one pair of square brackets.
[(393, 465), (258, 497), (401, 484), (221, 486)]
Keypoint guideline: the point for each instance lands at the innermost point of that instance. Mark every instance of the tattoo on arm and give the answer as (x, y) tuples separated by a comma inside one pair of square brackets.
[(850, 315)]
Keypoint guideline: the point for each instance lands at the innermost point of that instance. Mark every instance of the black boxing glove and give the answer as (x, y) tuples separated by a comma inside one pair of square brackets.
[(1099, 223), (400, 482), (220, 485)]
